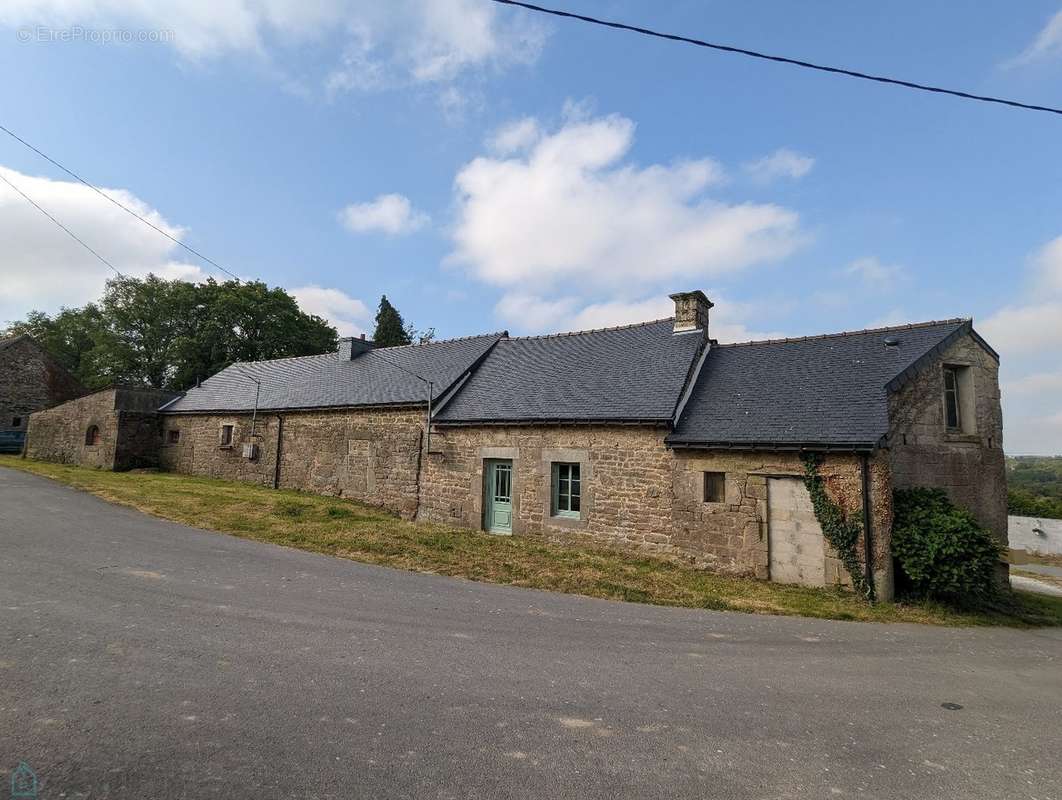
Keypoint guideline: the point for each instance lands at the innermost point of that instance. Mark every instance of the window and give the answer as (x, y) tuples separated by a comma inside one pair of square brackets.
[(226, 436), (92, 435), (173, 436), (16, 422), (714, 487), (952, 401), (567, 491)]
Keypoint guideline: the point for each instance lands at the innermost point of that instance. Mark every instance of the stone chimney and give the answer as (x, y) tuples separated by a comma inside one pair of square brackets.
[(350, 348), (691, 311)]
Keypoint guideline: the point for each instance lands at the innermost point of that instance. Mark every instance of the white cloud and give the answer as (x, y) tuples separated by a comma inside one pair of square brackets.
[(1047, 263), (1020, 330), (530, 314), (1028, 336), (515, 136), (398, 43), (569, 215), (1046, 45), (43, 268), (349, 315), (875, 274), (1036, 383), (392, 214), (782, 163)]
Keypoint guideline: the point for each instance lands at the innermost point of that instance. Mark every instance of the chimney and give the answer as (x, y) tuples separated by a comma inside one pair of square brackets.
[(691, 311), (350, 348)]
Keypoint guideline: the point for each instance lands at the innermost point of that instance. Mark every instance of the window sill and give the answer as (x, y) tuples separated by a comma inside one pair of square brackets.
[(958, 437), (563, 521), (226, 446)]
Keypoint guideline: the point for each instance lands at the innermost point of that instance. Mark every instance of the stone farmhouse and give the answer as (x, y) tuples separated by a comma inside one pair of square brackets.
[(30, 380), (650, 437)]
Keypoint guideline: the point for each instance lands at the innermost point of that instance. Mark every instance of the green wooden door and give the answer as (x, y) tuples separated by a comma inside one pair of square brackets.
[(498, 505)]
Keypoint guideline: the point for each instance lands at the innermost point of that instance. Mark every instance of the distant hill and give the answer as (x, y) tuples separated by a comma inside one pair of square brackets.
[(1035, 486)]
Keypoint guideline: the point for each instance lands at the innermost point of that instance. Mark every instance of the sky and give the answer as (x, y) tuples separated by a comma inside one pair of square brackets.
[(487, 168)]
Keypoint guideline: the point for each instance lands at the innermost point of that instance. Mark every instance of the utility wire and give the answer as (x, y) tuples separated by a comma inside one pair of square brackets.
[(69, 232), (125, 208), (779, 59)]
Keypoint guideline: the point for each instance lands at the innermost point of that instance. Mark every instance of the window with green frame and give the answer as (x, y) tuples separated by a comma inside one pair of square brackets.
[(567, 491)]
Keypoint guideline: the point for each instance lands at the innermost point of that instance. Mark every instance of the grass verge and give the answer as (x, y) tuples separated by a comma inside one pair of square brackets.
[(350, 530)]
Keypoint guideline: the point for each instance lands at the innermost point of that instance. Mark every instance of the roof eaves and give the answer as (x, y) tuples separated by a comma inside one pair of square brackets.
[(289, 409), (848, 447), (626, 421)]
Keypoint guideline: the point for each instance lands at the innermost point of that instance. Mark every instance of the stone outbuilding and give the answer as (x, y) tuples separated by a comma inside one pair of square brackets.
[(115, 428), (30, 379)]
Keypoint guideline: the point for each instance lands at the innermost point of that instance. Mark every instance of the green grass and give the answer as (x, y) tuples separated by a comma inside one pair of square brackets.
[(350, 530)]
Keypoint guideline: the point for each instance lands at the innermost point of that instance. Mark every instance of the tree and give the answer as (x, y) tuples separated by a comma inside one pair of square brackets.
[(390, 329), (169, 334)]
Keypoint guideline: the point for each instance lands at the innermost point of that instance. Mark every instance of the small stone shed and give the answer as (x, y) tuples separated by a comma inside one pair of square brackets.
[(114, 428), (30, 379)]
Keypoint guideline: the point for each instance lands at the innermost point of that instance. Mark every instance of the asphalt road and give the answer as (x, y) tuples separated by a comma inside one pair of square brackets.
[(144, 659)]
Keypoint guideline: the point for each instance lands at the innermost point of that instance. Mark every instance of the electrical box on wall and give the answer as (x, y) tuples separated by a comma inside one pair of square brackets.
[(250, 451)]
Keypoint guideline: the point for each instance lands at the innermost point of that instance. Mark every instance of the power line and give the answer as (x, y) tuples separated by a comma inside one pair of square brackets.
[(779, 59), (125, 208), (69, 232)]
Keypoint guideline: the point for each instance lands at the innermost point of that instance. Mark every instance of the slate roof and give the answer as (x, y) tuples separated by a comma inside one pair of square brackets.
[(631, 373), (376, 377), (829, 391)]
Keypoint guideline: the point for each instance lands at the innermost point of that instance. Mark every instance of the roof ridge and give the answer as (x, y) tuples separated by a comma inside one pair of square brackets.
[(593, 330), (280, 358), (859, 332), (493, 335)]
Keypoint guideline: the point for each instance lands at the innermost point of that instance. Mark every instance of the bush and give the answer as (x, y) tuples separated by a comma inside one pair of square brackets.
[(943, 552)]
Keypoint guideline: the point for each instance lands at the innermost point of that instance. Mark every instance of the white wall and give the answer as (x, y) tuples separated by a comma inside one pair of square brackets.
[(1022, 537)]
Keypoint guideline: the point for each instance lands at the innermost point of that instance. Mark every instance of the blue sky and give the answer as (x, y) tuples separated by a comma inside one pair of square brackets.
[(489, 169)]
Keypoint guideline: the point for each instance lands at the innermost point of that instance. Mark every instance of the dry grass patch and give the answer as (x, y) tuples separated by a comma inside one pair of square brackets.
[(350, 530)]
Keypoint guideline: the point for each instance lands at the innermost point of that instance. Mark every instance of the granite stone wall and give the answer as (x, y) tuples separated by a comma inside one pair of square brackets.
[(626, 476), (968, 463), (370, 455), (640, 496), (59, 434), (30, 380), (128, 425), (732, 536)]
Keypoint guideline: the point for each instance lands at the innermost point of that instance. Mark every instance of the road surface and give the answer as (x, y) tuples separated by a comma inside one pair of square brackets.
[(140, 658)]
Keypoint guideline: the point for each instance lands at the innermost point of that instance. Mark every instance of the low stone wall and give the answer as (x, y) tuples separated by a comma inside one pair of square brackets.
[(58, 434), (369, 455)]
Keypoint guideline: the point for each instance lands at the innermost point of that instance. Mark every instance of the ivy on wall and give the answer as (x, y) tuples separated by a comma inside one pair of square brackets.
[(841, 532)]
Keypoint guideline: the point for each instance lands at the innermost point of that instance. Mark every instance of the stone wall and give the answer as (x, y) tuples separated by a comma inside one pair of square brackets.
[(626, 481), (638, 495), (128, 424), (969, 464), (58, 434), (370, 455), (732, 536), (30, 380)]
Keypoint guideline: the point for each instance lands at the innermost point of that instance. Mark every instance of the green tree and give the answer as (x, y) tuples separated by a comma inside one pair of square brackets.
[(390, 330), (170, 334)]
